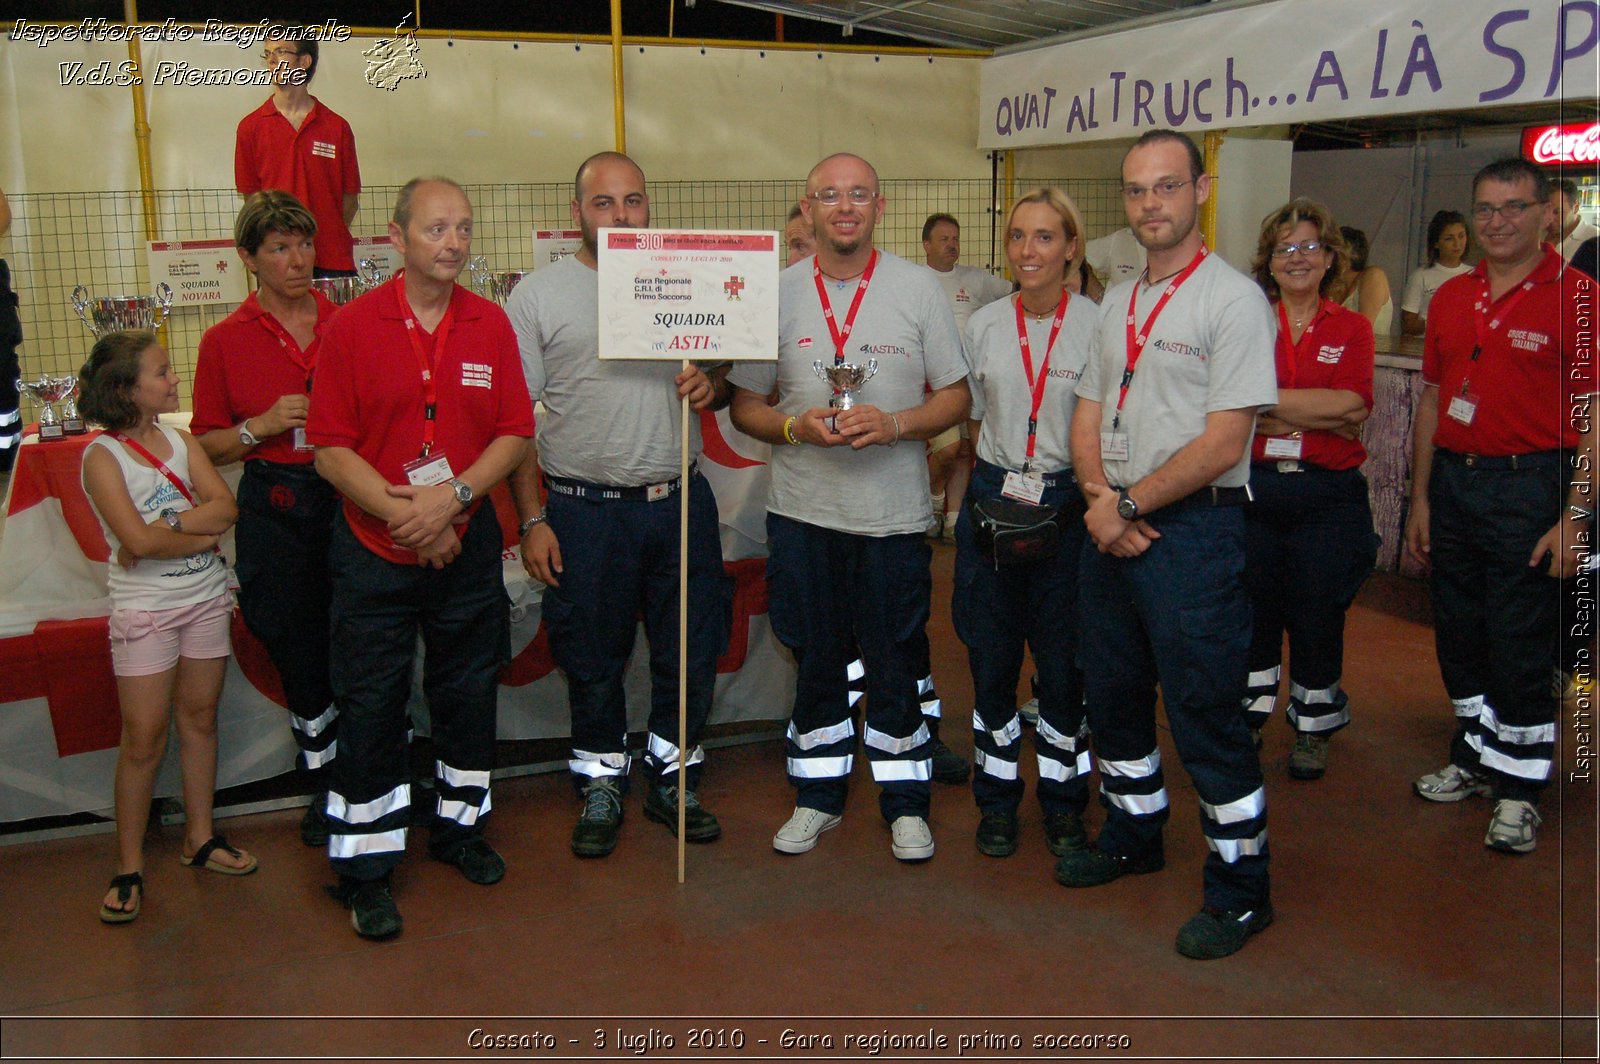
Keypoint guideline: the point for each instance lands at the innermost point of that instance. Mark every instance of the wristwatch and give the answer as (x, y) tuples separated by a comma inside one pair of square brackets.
[(246, 437), (1127, 509), (527, 526), (173, 520), (463, 491)]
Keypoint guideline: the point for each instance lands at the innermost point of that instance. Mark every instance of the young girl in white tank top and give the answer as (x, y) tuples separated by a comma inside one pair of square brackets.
[(163, 508)]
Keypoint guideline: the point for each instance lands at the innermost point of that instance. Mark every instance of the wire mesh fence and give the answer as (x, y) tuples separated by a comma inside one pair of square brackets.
[(98, 240)]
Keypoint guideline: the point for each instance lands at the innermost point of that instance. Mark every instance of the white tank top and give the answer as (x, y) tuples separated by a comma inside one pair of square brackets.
[(158, 583)]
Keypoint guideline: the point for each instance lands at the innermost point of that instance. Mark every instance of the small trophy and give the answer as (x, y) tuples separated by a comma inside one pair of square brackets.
[(371, 273), (845, 379), (71, 421), (104, 314), (44, 392), (489, 283)]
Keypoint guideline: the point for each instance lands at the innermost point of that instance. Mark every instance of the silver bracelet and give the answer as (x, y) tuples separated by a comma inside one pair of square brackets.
[(527, 526), (895, 418)]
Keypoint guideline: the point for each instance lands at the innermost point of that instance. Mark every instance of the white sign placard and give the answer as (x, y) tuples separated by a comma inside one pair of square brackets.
[(1290, 61), (201, 272), (553, 245), (380, 250), (707, 295)]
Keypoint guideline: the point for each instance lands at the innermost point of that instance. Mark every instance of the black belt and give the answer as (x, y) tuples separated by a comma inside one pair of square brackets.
[(584, 490), (1536, 460), (1209, 496), (1049, 480)]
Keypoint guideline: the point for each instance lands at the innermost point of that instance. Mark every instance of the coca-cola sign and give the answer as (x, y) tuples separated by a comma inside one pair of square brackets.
[(1562, 145)]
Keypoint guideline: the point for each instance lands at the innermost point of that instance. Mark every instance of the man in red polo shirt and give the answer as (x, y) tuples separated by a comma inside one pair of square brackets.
[(1499, 506), (294, 142), (420, 408), (251, 391)]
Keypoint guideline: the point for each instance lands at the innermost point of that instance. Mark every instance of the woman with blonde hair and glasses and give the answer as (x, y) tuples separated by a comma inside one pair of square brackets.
[(1309, 542)]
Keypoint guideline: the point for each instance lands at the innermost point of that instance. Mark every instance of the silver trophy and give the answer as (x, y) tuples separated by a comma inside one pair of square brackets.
[(104, 314), (341, 290), (845, 379), (45, 392), (491, 284), (71, 421)]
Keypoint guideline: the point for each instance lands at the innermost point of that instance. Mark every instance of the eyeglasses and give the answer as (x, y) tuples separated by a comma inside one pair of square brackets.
[(1163, 190), (1511, 210), (1310, 247), (272, 55), (831, 197)]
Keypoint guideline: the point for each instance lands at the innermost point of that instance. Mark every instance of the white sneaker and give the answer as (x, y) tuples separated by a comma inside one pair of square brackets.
[(1514, 827), (799, 834), (1029, 712), (912, 839), (1452, 784)]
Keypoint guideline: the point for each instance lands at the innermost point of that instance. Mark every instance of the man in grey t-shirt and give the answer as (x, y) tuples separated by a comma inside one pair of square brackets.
[(607, 542), (848, 563), (1161, 445)]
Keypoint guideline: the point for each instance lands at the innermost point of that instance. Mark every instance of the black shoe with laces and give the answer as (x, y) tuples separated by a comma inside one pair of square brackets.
[(314, 825), (601, 820), (1065, 832), (477, 861), (1092, 866), (997, 834), (661, 805), (948, 766), (1212, 933), (373, 912)]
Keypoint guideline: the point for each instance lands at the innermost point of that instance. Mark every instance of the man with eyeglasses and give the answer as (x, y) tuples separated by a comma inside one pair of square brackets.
[(296, 143), (1161, 446), (848, 565), (605, 544), (1501, 494)]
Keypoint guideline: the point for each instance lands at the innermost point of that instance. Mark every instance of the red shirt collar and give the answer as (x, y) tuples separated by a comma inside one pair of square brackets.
[(1546, 270), (463, 305)]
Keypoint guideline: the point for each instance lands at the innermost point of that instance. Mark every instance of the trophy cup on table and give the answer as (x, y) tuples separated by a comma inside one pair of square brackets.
[(71, 421), (846, 379), (341, 290), (492, 284), (104, 314), (45, 392)]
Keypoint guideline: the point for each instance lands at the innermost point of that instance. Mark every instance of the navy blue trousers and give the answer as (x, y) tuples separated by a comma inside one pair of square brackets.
[(464, 619), (1178, 614), (1309, 545), (620, 559), (998, 611), (286, 515), (831, 592), (1496, 619)]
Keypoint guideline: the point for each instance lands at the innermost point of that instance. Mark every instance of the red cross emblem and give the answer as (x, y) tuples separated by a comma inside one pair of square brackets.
[(733, 286)]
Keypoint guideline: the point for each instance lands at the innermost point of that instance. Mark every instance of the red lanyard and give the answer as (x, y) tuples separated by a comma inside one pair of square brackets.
[(1484, 326), (428, 364), (840, 335), (160, 467), (305, 359), (1036, 384), (1288, 347), (1137, 338)]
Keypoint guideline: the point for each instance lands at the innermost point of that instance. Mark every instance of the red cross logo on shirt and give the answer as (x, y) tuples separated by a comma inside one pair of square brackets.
[(733, 286)]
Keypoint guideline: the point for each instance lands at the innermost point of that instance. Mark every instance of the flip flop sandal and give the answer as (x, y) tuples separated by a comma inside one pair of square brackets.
[(124, 886), (206, 857)]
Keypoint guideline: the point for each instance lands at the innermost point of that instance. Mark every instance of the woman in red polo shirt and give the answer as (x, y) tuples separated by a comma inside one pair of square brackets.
[(1309, 540)]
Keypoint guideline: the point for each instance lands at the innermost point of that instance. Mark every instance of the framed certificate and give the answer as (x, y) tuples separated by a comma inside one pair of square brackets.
[(703, 295)]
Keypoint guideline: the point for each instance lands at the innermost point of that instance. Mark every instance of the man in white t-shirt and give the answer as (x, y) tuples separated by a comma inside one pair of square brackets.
[(848, 563), (967, 287), (1115, 257), (1569, 230)]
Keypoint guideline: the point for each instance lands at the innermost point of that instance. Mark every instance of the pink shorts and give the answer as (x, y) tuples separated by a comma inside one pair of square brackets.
[(146, 642)]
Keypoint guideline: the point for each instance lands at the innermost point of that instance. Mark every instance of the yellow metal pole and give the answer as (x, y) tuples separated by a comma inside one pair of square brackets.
[(1208, 209), (617, 106), (141, 130)]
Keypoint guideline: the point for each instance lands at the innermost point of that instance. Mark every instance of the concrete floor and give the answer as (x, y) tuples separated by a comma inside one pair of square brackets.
[(1398, 935)]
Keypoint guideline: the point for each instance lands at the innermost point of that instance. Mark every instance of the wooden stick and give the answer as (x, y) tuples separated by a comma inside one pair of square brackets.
[(683, 625)]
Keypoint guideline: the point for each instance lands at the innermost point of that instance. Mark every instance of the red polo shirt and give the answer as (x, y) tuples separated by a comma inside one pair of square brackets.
[(369, 392), (1533, 367), (247, 362), (316, 163), (1335, 351)]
